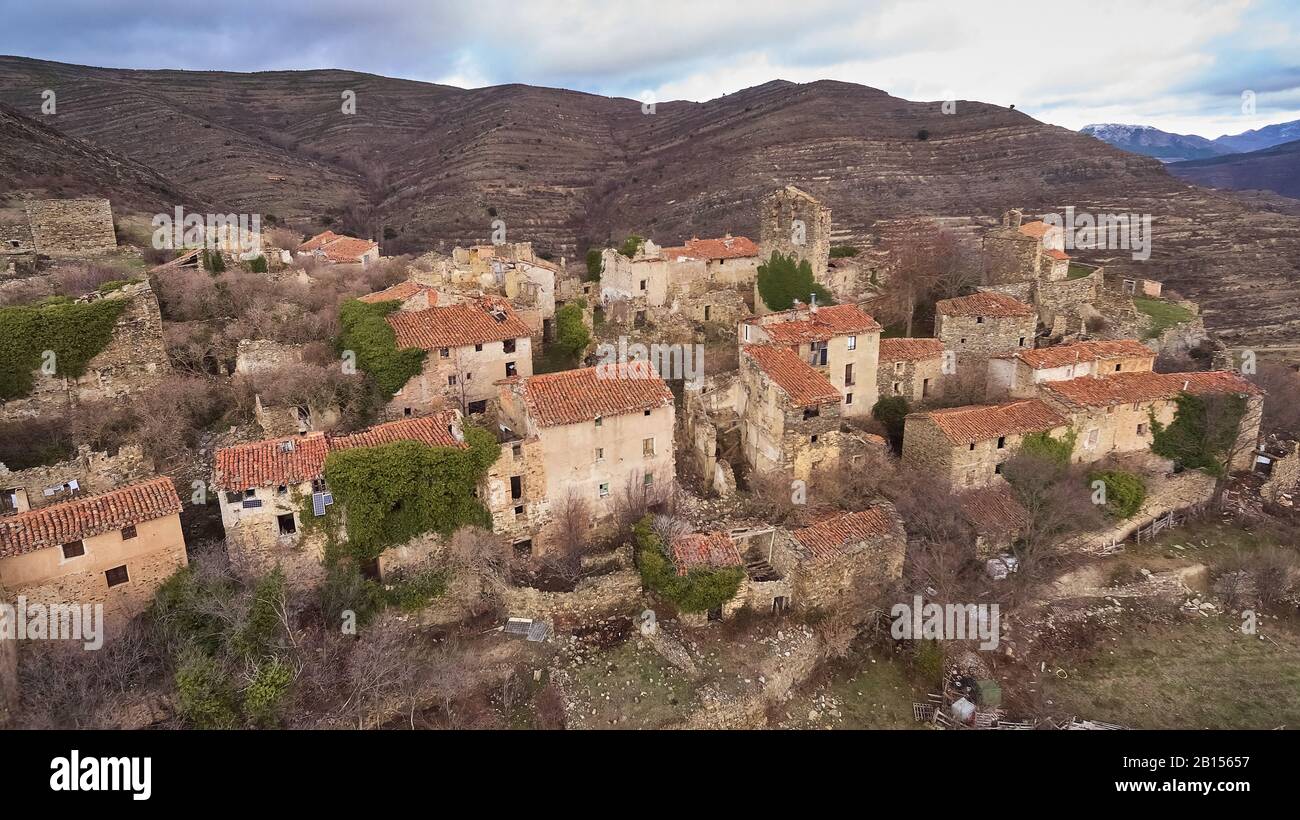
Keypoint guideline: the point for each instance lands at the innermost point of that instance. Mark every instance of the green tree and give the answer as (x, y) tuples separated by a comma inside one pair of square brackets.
[(570, 330), (1203, 434), (1125, 491), (631, 245), (593, 264), (781, 281), (891, 411)]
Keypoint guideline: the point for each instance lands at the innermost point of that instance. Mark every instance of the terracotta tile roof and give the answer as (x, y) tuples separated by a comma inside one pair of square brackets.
[(993, 510), (87, 517), (576, 396), (1037, 229), (727, 247), (805, 385), (1126, 388), (985, 303), (829, 537), (1061, 355), (269, 463), (469, 323), (318, 240), (962, 425), (400, 292), (1055, 254), (704, 549), (819, 326), (909, 350)]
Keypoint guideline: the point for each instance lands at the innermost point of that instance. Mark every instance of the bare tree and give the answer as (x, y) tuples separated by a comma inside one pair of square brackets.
[(1057, 502), (1282, 410), (924, 262)]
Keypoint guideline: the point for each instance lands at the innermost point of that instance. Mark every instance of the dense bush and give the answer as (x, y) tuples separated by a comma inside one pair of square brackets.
[(891, 411), (700, 590), (781, 281), (571, 332), (593, 264), (74, 331), (366, 334), (1125, 491), (1042, 445), (1203, 432), (631, 245)]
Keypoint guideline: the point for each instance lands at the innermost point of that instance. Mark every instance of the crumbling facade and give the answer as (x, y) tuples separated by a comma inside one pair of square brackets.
[(338, 249), (71, 227), (911, 368), (1018, 375), (86, 473), (978, 327), (790, 413), (967, 446), (793, 223), (701, 281)]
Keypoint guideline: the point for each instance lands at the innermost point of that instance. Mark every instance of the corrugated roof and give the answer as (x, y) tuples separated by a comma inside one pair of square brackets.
[(87, 517)]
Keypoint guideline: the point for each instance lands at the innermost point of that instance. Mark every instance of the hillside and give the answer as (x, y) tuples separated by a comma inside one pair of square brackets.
[(1274, 169), (427, 166)]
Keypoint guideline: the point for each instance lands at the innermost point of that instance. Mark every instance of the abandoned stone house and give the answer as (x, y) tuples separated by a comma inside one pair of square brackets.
[(995, 516), (114, 548), (470, 346), (265, 488), (413, 296), (509, 269), (912, 368), (967, 446), (604, 435), (133, 360), (17, 250), (840, 342), (260, 358), (794, 223), (1018, 375), (71, 227), (338, 249), (1111, 414), (814, 567), (702, 280), (86, 473), (976, 328)]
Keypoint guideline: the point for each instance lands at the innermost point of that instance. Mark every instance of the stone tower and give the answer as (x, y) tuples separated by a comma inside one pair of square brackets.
[(793, 223)]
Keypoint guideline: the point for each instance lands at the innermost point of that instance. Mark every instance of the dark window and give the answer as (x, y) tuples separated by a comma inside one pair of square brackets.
[(511, 370), (1022, 341), (74, 549), (646, 413), (508, 346), (406, 411), (516, 487), (286, 524), (812, 439), (998, 469), (234, 497), (128, 532), (478, 406), (478, 348), (848, 398), (848, 375), (519, 511), (1117, 368), (972, 445), (517, 451), (979, 320), (523, 549), (444, 353), (116, 575), (811, 412), (1002, 442)]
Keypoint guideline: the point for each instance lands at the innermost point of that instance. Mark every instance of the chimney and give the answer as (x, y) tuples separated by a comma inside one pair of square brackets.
[(812, 303)]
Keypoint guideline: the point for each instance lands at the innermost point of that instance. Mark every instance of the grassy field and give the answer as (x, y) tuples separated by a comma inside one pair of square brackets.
[(1078, 271), (629, 687), (871, 692), (1164, 315), (1204, 673)]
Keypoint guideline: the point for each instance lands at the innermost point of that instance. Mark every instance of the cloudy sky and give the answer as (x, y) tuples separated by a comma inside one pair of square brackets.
[(1180, 66)]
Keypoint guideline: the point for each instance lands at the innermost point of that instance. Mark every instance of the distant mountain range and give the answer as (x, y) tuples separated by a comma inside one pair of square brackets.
[(1167, 147), (1274, 169)]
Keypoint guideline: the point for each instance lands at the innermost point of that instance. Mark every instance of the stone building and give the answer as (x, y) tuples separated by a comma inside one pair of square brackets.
[(257, 359), (267, 487), (790, 412), (86, 473), (338, 249), (470, 346), (114, 549), (605, 433), (793, 223), (840, 342), (701, 280), (413, 296), (843, 554), (911, 368), (1018, 375), (17, 250), (135, 359), (71, 227), (1111, 414), (996, 517), (976, 328), (510, 270), (717, 550), (967, 446)]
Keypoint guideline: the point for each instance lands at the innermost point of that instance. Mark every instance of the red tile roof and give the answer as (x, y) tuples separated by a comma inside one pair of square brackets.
[(1055, 254), (268, 463), (1125, 388), (576, 396), (400, 292), (986, 303), (1061, 355), (993, 510), (87, 517), (829, 537), (1035, 229), (337, 247), (821, 325), (318, 240), (962, 425), (909, 350), (469, 323), (805, 385), (728, 247), (704, 549)]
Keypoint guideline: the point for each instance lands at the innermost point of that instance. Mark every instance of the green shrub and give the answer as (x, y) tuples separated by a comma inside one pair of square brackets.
[(115, 284), (593, 264), (257, 264), (571, 332), (699, 590), (213, 261), (1197, 438), (1125, 492), (265, 694), (75, 331), (346, 589), (843, 251), (415, 591), (928, 661), (263, 622), (1042, 445), (367, 335), (204, 696), (631, 245), (781, 281), (394, 492)]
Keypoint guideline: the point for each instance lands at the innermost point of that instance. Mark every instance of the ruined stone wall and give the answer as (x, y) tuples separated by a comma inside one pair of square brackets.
[(63, 227), (474, 371), (1059, 303), (134, 359), (595, 597), (9, 691), (1009, 257), (920, 381), (779, 232), (974, 342), (525, 459), (1285, 475), (95, 472), (255, 545)]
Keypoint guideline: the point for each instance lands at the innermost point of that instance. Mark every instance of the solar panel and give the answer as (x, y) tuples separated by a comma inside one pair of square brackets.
[(538, 631), (318, 504)]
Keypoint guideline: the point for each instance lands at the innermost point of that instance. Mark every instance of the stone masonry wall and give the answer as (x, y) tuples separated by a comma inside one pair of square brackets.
[(63, 227), (94, 472)]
